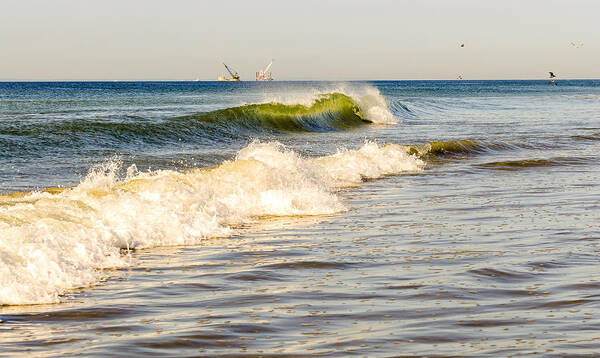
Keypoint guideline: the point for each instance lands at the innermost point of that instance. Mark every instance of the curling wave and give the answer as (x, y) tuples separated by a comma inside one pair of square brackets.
[(333, 111), (59, 239), (328, 112)]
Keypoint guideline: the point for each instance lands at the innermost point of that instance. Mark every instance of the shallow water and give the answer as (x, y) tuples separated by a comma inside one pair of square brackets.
[(484, 242)]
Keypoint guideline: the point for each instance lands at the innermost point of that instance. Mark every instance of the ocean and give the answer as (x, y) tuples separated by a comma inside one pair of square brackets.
[(292, 219)]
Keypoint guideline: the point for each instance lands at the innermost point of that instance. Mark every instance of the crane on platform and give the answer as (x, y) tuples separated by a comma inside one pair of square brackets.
[(234, 75), (265, 75)]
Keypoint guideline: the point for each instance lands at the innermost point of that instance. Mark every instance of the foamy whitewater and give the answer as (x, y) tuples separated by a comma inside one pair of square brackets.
[(56, 242)]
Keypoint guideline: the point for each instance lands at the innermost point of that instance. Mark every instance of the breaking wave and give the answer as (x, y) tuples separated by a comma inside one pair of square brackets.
[(314, 112), (60, 239), (328, 112)]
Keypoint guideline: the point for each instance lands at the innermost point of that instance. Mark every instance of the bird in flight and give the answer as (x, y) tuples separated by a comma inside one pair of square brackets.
[(552, 78), (577, 45)]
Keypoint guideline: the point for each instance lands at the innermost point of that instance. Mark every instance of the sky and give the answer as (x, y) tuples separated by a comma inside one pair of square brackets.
[(309, 40)]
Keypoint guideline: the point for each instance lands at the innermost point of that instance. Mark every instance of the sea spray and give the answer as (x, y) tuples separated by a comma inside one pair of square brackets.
[(51, 242), (373, 105)]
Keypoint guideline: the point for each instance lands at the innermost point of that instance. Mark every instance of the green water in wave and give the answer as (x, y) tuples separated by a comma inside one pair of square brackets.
[(333, 111)]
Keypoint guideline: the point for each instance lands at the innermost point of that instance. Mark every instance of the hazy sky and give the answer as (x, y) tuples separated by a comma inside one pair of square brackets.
[(325, 39)]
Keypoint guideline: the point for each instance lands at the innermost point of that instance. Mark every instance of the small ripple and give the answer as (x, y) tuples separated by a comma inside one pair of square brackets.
[(512, 165), (85, 314), (310, 265), (501, 275), (256, 275), (592, 137)]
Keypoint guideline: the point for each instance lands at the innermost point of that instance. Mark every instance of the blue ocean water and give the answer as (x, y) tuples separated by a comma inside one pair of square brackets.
[(373, 218), (53, 132)]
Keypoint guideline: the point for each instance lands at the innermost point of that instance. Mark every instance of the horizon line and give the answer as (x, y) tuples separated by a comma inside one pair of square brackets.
[(292, 80)]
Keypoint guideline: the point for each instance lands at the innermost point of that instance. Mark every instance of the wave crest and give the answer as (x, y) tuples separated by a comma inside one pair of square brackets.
[(456, 147), (328, 112)]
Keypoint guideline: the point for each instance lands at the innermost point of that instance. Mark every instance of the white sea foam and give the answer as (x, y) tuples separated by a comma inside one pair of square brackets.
[(53, 242)]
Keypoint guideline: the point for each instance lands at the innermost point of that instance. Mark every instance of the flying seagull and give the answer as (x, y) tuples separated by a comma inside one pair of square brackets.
[(552, 78), (577, 45)]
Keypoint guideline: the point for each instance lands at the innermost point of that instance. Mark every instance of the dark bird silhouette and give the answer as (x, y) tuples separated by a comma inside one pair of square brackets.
[(552, 78)]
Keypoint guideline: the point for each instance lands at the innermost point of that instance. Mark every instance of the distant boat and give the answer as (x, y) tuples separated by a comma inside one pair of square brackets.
[(265, 75), (234, 75)]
